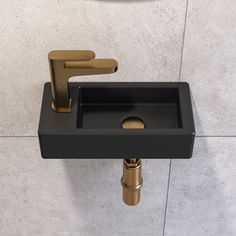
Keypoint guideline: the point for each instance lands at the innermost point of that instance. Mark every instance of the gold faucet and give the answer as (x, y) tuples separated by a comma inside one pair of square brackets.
[(64, 64)]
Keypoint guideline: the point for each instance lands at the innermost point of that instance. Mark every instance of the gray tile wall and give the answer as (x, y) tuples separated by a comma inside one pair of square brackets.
[(165, 40)]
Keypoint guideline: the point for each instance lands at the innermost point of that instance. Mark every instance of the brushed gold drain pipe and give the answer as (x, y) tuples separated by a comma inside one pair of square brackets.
[(132, 177), (131, 181)]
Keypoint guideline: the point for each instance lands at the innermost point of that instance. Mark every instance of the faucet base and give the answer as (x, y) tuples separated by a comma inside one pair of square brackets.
[(62, 109), (131, 181)]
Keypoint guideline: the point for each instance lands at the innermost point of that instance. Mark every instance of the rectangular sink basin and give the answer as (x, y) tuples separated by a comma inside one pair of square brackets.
[(106, 108), (93, 129)]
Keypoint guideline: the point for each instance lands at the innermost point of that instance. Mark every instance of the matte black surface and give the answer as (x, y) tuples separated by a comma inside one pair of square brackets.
[(93, 128), (107, 108)]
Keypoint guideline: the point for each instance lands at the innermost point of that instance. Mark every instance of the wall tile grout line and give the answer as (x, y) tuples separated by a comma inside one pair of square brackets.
[(167, 197), (18, 136), (183, 41), (215, 136), (180, 71), (197, 136)]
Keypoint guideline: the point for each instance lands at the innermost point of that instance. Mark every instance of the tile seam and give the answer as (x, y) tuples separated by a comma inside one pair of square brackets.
[(197, 136), (183, 42), (216, 136), (18, 136)]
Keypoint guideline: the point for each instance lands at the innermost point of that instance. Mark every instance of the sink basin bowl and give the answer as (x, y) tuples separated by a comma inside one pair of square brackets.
[(93, 129), (106, 108)]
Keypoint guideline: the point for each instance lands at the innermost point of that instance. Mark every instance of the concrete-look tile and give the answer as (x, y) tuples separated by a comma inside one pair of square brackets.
[(34, 198), (209, 65), (144, 36), (74, 197), (202, 193)]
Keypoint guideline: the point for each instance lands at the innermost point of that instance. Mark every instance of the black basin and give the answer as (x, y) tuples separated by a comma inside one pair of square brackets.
[(93, 128), (106, 108)]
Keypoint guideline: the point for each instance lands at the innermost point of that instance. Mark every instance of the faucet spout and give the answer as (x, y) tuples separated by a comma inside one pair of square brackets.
[(65, 64), (91, 67), (102, 64)]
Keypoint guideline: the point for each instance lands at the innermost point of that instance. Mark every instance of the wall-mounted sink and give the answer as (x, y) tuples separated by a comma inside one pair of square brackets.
[(93, 128)]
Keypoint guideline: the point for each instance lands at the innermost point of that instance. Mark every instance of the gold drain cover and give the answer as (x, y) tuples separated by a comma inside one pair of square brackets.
[(132, 123)]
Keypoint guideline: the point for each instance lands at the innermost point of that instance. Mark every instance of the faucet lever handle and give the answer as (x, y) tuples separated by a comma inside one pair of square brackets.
[(71, 55)]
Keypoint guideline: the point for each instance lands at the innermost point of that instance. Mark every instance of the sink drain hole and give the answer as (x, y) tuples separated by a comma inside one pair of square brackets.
[(132, 123)]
